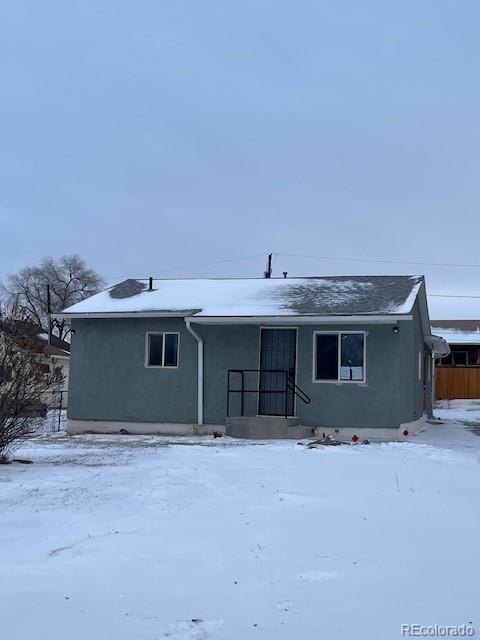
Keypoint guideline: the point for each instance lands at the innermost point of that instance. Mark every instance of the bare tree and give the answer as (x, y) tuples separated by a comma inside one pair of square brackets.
[(23, 380), (70, 281)]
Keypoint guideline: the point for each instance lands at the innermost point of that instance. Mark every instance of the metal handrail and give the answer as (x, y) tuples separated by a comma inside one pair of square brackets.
[(299, 393), (289, 385)]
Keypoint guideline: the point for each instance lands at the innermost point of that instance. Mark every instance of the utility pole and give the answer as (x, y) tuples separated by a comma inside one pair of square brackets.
[(49, 311), (268, 272)]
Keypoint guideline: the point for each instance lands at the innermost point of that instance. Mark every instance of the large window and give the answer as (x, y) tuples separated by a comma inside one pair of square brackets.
[(339, 357), (161, 350)]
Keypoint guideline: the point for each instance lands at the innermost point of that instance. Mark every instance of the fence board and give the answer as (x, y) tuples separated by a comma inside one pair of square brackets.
[(457, 382)]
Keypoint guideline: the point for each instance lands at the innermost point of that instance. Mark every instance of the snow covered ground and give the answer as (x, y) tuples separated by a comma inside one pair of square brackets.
[(142, 538), (55, 421)]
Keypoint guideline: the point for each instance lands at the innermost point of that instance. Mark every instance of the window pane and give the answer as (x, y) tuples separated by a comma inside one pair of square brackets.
[(474, 357), (351, 365), (171, 350), (460, 357), (326, 357), (155, 349)]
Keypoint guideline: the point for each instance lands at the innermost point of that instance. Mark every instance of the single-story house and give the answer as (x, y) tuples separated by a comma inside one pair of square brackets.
[(350, 356), (458, 373)]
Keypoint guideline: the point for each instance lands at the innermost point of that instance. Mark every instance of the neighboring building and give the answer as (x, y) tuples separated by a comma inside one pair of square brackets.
[(458, 374), (351, 356), (54, 356)]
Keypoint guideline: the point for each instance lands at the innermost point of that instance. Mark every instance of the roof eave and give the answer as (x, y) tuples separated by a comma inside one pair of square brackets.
[(119, 314), (391, 318), (298, 319)]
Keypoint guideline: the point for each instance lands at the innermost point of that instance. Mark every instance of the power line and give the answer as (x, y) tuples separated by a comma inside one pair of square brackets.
[(276, 255), (184, 267), (343, 259), (429, 264), (450, 295)]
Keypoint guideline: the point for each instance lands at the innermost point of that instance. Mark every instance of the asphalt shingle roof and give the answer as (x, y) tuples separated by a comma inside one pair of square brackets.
[(241, 297)]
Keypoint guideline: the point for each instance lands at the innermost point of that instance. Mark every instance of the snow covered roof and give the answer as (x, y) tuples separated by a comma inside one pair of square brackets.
[(458, 331), (247, 297), (38, 339), (57, 347)]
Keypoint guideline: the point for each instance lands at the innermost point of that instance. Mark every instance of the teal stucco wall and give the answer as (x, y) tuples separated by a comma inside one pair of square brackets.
[(109, 380), (388, 398)]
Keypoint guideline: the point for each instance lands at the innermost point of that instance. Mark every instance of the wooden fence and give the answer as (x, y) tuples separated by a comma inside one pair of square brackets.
[(457, 382)]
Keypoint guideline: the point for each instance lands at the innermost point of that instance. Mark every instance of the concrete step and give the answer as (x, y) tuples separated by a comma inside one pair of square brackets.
[(266, 427)]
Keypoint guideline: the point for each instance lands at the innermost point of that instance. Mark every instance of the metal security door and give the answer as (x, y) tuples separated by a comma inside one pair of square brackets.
[(278, 353)]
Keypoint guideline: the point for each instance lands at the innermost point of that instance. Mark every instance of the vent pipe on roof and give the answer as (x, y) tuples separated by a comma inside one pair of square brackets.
[(150, 284)]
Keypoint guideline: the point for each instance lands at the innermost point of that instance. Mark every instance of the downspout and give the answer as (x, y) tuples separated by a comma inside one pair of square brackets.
[(199, 340), (432, 365)]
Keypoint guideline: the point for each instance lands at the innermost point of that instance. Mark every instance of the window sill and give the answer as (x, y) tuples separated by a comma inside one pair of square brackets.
[(362, 383), (158, 366)]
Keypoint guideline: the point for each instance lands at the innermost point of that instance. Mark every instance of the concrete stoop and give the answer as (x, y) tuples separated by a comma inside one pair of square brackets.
[(266, 427)]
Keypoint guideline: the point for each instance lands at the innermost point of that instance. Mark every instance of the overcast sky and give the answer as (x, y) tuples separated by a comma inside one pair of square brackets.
[(151, 137)]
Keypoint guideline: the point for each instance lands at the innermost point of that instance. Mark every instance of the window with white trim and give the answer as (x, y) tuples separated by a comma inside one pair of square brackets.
[(339, 356), (161, 350)]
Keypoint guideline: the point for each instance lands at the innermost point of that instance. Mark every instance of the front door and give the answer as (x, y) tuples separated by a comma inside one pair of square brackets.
[(278, 352)]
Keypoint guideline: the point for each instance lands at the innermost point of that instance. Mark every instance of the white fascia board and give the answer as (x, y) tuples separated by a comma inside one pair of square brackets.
[(384, 319), (357, 319), (119, 314)]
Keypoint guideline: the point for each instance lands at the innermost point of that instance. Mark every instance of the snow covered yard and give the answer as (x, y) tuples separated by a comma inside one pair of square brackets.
[(133, 538)]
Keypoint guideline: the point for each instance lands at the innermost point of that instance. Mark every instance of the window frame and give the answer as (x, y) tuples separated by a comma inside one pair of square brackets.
[(338, 380), (147, 349)]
